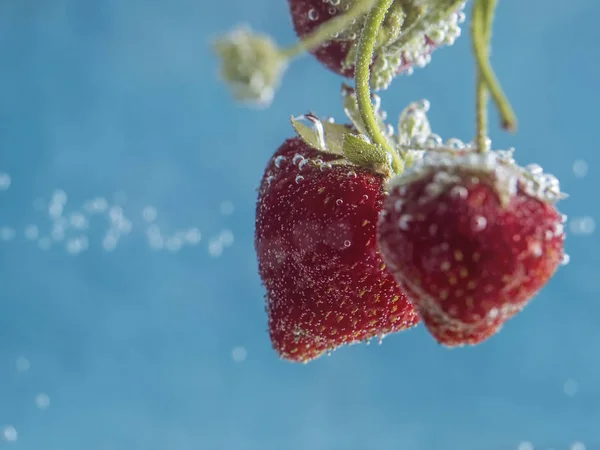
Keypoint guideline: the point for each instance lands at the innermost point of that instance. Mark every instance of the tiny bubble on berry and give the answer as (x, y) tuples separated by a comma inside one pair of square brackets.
[(479, 223), (404, 221)]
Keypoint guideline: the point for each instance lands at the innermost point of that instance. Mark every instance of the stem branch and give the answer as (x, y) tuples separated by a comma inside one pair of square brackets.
[(480, 29), (362, 77), (481, 25)]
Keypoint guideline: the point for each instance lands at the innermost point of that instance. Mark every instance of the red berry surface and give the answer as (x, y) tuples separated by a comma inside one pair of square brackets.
[(318, 259), (309, 14), (471, 239)]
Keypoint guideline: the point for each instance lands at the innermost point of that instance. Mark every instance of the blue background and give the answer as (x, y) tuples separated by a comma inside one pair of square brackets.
[(138, 348)]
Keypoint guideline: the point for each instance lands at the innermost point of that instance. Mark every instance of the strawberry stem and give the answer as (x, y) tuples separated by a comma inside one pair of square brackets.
[(362, 78), (483, 11), (326, 30), (481, 18)]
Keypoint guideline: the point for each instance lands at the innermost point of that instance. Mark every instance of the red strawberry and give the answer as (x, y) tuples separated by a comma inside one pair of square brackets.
[(472, 238), (307, 15), (315, 240)]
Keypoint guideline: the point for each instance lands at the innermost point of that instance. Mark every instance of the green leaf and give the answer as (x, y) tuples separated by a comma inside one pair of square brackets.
[(321, 135)]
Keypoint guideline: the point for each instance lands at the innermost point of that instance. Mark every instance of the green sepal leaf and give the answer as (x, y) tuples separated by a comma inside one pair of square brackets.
[(320, 135)]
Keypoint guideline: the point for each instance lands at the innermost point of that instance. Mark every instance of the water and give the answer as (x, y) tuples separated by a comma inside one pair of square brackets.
[(131, 313)]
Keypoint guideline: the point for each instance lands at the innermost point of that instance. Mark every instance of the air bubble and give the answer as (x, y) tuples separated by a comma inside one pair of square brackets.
[(459, 192), (7, 234), (302, 164), (9, 433), (479, 223), (4, 181), (44, 243), (347, 243), (339, 202), (570, 387), (97, 205), (22, 364), (313, 14), (193, 236), (215, 248), (535, 248), (239, 354), (226, 237), (149, 213), (78, 221), (534, 169), (42, 401), (582, 225), (31, 232), (109, 242), (60, 197), (299, 179), (173, 243), (279, 161), (525, 446), (404, 221), (55, 210), (565, 259), (77, 245), (580, 168)]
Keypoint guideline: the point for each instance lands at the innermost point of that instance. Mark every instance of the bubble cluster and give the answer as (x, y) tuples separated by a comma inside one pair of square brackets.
[(507, 175), (442, 31), (74, 229)]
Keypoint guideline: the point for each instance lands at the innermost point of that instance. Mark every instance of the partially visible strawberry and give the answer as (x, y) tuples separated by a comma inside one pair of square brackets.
[(472, 238), (338, 54), (315, 241)]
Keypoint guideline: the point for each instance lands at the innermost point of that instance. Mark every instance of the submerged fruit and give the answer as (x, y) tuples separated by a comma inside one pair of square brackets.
[(472, 238), (315, 241)]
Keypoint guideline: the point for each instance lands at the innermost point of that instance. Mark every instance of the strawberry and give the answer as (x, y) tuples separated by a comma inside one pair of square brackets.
[(472, 238), (315, 239), (338, 54)]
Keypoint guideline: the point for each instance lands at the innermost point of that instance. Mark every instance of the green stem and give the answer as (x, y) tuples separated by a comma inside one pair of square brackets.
[(323, 32), (485, 10), (422, 25), (362, 77), (480, 29)]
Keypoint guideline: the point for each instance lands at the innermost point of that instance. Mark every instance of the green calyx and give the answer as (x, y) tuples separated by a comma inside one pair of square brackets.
[(352, 145), (252, 65)]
